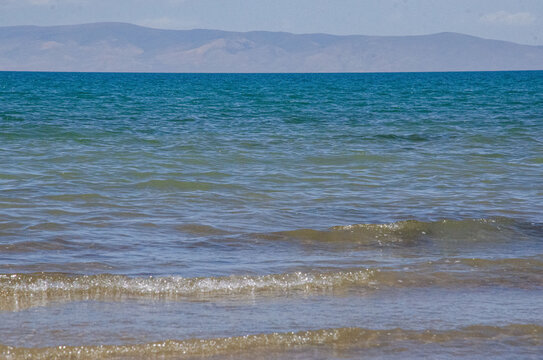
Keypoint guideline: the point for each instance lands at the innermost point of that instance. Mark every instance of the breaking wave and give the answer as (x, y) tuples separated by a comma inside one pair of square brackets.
[(19, 291), (413, 232), (340, 338)]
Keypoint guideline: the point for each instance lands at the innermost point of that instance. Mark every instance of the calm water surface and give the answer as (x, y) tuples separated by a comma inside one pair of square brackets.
[(271, 216)]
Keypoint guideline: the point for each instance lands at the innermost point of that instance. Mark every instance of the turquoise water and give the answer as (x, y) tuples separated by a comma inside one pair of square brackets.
[(139, 208)]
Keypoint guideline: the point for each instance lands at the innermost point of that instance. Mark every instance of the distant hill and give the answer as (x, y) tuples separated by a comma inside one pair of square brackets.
[(123, 47)]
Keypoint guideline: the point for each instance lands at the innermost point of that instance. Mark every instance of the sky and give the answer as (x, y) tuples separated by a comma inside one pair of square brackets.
[(520, 21)]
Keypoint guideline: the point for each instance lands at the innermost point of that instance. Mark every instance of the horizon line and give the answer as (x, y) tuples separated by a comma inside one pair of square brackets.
[(266, 73)]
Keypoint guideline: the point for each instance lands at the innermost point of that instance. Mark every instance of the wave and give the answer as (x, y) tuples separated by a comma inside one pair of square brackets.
[(54, 244), (29, 246), (408, 233), (413, 232), (514, 335), (20, 291)]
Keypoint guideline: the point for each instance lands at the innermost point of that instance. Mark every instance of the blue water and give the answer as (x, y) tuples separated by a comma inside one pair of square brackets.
[(195, 176)]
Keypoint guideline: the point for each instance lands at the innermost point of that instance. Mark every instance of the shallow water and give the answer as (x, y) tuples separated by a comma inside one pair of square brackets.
[(271, 216)]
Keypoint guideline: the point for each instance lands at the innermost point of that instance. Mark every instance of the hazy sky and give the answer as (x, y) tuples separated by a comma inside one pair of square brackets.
[(515, 20)]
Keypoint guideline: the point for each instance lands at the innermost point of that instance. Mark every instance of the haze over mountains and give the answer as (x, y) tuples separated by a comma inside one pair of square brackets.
[(120, 47)]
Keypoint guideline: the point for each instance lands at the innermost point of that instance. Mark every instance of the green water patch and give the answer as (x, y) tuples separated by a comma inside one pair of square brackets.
[(180, 185), (201, 230), (73, 197)]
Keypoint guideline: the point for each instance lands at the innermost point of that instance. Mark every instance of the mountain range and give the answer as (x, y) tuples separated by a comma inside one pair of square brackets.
[(120, 47)]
